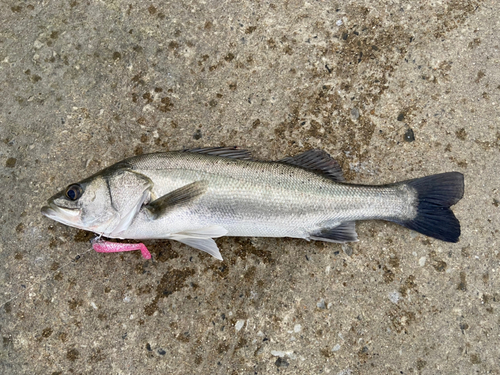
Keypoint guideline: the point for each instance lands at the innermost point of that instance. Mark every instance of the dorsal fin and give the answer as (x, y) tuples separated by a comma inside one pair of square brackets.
[(226, 152), (318, 161)]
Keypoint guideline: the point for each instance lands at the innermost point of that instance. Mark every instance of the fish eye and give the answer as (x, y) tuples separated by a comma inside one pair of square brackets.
[(73, 192)]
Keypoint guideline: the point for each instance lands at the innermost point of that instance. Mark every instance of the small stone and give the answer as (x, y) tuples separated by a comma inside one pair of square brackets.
[(280, 362), (394, 297), (239, 325), (321, 304), (409, 135), (355, 113), (347, 249), (197, 134)]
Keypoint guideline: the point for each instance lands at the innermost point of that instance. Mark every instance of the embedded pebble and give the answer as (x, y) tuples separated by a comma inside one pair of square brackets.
[(394, 297), (239, 325), (321, 304)]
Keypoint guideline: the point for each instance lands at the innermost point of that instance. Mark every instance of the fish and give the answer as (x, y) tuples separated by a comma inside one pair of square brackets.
[(193, 196)]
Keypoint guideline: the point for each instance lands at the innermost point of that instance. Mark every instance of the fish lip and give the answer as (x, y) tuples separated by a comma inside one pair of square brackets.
[(59, 213), (47, 211)]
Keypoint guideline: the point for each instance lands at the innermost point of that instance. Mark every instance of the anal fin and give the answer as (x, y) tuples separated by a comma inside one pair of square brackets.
[(345, 232)]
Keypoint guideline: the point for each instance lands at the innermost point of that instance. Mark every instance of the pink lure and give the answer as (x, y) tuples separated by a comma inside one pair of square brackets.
[(113, 247)]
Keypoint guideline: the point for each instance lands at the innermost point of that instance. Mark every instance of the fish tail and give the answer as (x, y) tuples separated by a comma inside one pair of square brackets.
[(435, 195)]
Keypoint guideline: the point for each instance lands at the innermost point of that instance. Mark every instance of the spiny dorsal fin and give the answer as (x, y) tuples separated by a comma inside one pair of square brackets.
[(226, 152), (318, 161), (181, 196)]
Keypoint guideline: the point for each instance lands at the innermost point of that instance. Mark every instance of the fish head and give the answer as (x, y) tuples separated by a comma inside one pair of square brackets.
[(105, 203)]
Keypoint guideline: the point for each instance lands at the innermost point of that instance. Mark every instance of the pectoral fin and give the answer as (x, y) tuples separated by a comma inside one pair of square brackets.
[(182, 196)]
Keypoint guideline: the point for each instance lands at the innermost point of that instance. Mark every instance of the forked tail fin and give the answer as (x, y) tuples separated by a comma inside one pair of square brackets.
[(436, 194)]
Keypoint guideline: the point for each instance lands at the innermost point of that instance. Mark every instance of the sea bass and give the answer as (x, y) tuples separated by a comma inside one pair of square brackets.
[(194, 196)]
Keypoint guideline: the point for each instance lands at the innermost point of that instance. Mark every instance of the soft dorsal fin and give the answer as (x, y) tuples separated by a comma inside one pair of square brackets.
[(318, 161), (226, 152), (181, 196)]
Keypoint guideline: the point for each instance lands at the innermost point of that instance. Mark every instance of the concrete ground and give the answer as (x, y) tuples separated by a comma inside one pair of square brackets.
[(392, 89)]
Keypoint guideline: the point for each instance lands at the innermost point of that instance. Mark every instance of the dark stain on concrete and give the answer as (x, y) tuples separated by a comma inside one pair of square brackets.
[(409, 284), (172, 281), (161, 250), (461, 134), (244, 247), (47, 332), (440, 265), (11, 162), (72, 354), (421, 364), (462, 285), (401, 319), (74, 303), (83, 236), (475, 359), (96, 356), (366, 55), (388, 275)]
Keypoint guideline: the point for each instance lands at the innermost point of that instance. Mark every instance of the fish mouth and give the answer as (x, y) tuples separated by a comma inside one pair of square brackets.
[(63, 215)]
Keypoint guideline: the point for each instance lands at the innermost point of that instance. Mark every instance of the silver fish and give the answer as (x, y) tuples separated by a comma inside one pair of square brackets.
[(193, 196)]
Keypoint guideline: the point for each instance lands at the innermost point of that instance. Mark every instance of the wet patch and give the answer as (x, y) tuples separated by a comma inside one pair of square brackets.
[(161, 250), (241, 247), (83, 236), (171, 282)]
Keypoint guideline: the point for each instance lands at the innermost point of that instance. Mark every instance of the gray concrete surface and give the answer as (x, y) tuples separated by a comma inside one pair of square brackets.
[(87, 83)]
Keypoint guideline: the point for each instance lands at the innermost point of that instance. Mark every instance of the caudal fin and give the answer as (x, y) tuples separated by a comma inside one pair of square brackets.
[(436, 194)]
